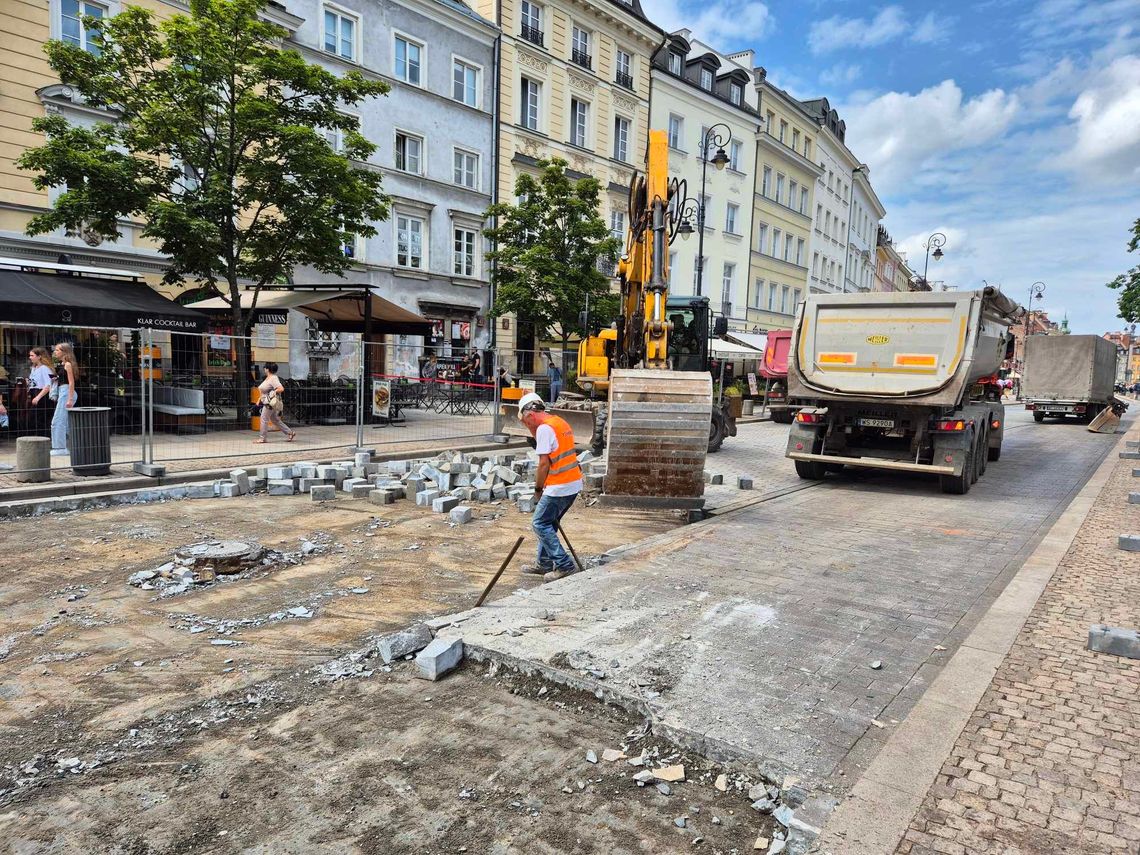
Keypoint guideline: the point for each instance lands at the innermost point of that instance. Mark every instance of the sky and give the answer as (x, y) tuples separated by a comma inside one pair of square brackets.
[(1011, 126)]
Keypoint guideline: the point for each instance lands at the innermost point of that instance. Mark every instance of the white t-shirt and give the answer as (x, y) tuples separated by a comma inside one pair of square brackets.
[(40, 378), (546, 442)]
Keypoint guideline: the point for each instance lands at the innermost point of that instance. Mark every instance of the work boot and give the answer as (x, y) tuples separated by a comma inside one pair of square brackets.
[(555, 575), (535, 569)]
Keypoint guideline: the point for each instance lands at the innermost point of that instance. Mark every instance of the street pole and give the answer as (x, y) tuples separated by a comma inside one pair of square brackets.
[(937, 241), (1036, 290), (720, 140)]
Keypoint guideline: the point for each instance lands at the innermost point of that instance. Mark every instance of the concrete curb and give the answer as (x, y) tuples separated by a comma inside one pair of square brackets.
[(883, 802)]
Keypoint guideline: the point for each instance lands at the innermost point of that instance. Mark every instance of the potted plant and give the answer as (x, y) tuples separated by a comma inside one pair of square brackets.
[(735, 395)]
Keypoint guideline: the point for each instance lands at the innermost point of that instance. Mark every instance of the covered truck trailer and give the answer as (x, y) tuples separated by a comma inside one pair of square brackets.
[(900, 381), (1068, 375), (774, 370)]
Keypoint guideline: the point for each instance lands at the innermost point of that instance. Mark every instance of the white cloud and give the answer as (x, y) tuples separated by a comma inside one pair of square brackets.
[(901, 135), (836, 33), (930, 30), (840, 75), (719, 22), (1107, 118)]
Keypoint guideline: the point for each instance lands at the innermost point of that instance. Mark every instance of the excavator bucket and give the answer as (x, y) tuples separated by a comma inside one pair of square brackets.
[(1106, 422), (657, 436), (580, 421)]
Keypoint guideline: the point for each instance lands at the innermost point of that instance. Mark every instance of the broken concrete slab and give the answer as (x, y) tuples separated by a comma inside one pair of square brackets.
[(670, 774), (1115, 641), (439, 657), (397, 645)]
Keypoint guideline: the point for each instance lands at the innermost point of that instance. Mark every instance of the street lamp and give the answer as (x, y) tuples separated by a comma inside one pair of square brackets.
[(720, 139), (937, 241), (1036, 291)]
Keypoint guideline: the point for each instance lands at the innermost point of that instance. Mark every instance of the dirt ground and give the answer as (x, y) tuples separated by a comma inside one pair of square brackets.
[(166, 722)]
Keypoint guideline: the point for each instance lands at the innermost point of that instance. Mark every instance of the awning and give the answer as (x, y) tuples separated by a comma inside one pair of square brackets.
[(732, 350), (334, 311), (759, 341), (90, 301)]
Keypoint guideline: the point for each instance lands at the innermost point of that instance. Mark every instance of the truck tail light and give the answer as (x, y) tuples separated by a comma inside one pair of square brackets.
[(809, 418), (950, 425), (1031, 406), (995, 424), (1079, 408)]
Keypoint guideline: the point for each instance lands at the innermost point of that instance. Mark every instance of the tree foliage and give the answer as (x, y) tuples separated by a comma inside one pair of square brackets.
[(217, 144), (547, 251), (1128, 284)]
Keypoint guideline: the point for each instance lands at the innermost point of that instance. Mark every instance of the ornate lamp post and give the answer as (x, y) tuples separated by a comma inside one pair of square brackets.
[(719, 135), (936, 241)]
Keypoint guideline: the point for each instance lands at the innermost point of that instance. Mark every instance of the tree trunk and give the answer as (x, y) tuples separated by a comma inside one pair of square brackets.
[(241, 375)]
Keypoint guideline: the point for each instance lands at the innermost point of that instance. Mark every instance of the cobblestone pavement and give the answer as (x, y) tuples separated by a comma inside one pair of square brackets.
[(781, 611), (1049, 762)]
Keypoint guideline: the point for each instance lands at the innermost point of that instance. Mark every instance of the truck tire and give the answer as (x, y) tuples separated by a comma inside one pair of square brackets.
[(717, 431), (782, 417), (979, 458), (1038, 417), (959, 485), (993, 452), (810, 470)]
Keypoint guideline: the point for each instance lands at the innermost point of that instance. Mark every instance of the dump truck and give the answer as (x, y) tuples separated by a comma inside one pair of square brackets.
[(1068, 375), (774, 370), (900, 381)]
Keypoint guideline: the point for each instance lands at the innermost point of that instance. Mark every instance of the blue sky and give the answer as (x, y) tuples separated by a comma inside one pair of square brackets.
[(1013, 126)]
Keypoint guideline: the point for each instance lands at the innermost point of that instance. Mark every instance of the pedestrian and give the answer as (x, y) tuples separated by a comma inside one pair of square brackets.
[(39, 404), (558, 483), (554, 375), (66, 394), (506, 379), (272, 406)]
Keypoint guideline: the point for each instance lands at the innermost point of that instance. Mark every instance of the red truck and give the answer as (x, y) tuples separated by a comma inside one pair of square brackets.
[(774, 370)]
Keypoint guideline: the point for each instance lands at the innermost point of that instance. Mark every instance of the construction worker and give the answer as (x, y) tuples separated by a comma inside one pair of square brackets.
[(557, 484)]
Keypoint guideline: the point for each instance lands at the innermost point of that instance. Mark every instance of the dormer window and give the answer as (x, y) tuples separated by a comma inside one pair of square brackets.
[(706, 79), (735, 94), (675, 63)]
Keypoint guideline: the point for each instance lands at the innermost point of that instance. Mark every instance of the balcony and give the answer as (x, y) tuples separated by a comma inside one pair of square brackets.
[(531, 34), (579, 57), (624, 80)]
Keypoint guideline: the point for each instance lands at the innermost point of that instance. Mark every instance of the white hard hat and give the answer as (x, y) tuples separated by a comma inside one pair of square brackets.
[(530, 400)]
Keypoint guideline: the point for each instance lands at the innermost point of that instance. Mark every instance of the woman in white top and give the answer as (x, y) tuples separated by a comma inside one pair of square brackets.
[(39, 386), (271, 405)]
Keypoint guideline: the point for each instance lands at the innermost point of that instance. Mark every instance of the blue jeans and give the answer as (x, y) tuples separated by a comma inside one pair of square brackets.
[(555, 390), (59, 420), (547, 514)]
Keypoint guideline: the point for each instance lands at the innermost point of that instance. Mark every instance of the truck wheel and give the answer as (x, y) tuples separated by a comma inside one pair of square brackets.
[(993, 453), (810, 470), (782, 417), (717, 431), (979, 458), (1038, 417), (959, 485)]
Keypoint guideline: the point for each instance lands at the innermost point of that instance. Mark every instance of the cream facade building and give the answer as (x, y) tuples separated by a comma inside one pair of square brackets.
[(783, 204), (697, 90), (573, 83)]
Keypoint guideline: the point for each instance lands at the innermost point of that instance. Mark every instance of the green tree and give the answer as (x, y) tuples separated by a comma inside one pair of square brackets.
[(217, 143), (547, 251), (1128, 284)]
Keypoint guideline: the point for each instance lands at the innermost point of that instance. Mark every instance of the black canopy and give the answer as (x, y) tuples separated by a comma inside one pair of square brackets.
[(90, 301)]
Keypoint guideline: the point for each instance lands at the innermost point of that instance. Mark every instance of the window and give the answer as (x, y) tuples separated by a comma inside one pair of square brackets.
[(617, 225), (818, 217), (727, 280), (787, 247), (793, 193), (758, 295), (409, 241), (466, 169), (796, 297), (465, 83), (783, 130), (623, 66), (621, 138), (672, 260), (676, 131), (766, 183), (409, 59), (734, 155), (770, 123), (706, 79), (73, 31), (530, 16), (340, 32), (776, 235), (795, 140), (579, 121), (735, 93), (800, 251), (409, 152), (675, 63), (464, 252), (827, 225), (779, 187), (762, 236), (697, 275), (580, 48), (334, 137), (785, 294), (773, 289), (830, 179), (807, 147), (815, 264), (530, 95), (803, 201), (730, 218), (706, 217)]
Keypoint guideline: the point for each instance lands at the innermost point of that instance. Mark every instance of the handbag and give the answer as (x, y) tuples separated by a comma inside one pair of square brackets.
[(53, 390)]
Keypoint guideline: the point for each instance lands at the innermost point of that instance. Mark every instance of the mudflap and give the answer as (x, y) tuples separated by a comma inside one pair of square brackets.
[(803, 437), (952, 448)]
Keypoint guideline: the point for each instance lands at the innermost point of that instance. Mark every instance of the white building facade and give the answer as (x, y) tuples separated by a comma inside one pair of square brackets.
[(696, 90), (862, 230)]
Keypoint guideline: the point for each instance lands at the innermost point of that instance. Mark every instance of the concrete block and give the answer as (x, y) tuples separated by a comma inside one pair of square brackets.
[(1132, 443), (694, 515), (482, 496), (397, 490), (461, 515), (505, 474), (462, 479), (33, 459), (349, 483), (397, 467), (424, 498), (261, 472), (327, 473), (1136, 473), (1129, 542), (362, 458), (257, 485), (229, 490), (397, 645), (526, 504), (415, 485), (241, 478), (280, 487), (358, 472), (381, 497), (361, 489), (744, 483), (585, 457), (444, 504), (1115, 641), (203, 491), (150, 470), (371, 469), (323, 492), (307, 484), (278, 473), (464, 494), (1134, 498), (438, 658), (499, 491), (1130, 455), (304, 470), (593, 482)]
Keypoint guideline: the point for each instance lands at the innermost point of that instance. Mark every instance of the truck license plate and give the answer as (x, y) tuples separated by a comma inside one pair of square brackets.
[(879, 423)]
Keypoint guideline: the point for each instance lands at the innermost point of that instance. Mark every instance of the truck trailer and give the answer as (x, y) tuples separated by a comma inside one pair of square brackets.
[(1068, 375), (900, 381)]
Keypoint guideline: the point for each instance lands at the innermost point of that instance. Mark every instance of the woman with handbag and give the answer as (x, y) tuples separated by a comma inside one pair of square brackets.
[(272, 405), (38, 405), (64, 393)]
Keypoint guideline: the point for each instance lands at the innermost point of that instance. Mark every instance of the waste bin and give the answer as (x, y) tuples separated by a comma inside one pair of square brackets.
[(89, 438)]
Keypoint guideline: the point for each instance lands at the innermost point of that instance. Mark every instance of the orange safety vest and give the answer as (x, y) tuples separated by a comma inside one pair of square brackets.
[(564, 468)]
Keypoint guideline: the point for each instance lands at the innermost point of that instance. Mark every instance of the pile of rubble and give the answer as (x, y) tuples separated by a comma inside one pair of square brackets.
[(442, 482)]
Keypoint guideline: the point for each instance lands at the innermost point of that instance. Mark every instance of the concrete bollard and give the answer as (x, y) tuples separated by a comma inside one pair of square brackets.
[(1130, 455), (33, 459), (1115, 641), (1129, 542), (1134, 498), (743, 483)]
